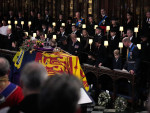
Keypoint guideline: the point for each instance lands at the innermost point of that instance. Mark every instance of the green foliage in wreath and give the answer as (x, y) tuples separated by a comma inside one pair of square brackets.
[(120, 104), (103, 99)]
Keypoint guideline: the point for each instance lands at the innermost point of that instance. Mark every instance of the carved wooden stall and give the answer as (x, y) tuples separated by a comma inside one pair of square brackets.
[(116, 8), (114, 75)]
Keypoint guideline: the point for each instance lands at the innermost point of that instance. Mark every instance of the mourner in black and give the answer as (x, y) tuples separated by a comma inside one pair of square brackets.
[(90, 25), (98, 56), (44, 28), (40, 21), (69, 25), (131, 36), (117, 61), (64, 43), (74, 46), (50, 32), (75, 31), (114, 25), (129, 23), (133, 61), (48, 19), (113, 41), (19, 19), (59, 22), (146, 24), (33, 20)]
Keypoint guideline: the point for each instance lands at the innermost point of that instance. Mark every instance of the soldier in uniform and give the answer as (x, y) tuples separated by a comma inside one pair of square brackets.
[(133, 57), (78, 20)]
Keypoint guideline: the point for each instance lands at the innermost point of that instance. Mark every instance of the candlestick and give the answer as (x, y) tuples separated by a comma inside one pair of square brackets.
[(45, 35), (9, 26), (90, 42), (22, 23), (29, 24), (120, 46), (136, 30), (121, 29)]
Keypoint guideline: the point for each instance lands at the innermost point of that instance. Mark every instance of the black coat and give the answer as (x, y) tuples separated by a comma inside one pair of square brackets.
[(74, 49), (113, 44), (28, 105), (129, 25), (117, 64), (90, 29), (58, 24), (48, 20)]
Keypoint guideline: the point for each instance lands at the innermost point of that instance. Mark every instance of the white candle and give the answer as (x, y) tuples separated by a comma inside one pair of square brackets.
[(9, 26), (22, 22), (16, 22), (136, 29), (54, 24), (121, 28), (78, 39), (45, 35), (54, 37), (34, 34), (107, 28), (9, 22), (139, 46), (106, 43), (90, 41), (95, 26), (73, 24), (26, 33), (63, 24), (84, 26), (120, 45), (29, 23)]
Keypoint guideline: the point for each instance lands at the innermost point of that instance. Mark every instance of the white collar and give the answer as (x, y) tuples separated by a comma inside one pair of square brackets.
[(99, 34), (113, 37), (131, 37)]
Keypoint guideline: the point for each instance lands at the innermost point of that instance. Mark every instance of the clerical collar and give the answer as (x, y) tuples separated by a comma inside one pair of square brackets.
[(130, 45)]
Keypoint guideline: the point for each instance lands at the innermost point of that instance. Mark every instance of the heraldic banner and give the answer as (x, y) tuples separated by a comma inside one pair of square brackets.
[(55, 63)]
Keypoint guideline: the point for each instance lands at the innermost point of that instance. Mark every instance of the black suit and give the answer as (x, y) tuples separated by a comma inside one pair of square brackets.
[(68, 28), (113, 44), (19, 21), (48, 20), (28, 105), (129, 25), (74, 49), (146, 26), (58, 24), (117, 64), (90, 29), (10, 39)]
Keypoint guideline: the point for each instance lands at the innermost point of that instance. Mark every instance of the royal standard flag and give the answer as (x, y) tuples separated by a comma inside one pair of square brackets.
[(55, 63)]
